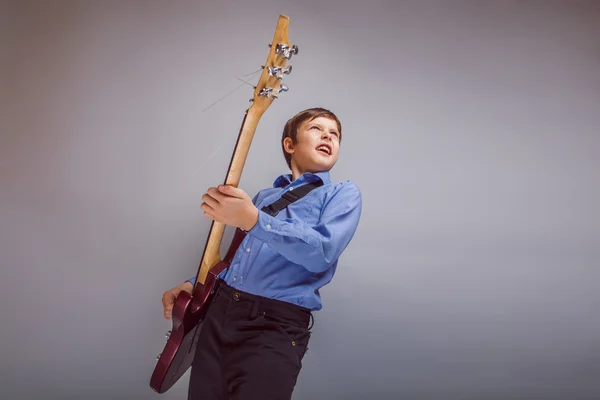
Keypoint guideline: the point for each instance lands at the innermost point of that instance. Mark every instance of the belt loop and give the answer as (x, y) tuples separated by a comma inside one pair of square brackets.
[(312, 321), (218, 286)]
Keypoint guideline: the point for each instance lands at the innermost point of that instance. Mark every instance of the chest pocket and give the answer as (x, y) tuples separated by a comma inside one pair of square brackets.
[(307, 209)]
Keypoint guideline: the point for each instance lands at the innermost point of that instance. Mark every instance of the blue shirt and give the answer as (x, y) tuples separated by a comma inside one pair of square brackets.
[(291, 256)]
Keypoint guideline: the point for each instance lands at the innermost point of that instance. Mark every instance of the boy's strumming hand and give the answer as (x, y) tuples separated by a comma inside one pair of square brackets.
[(169, 297), (230, 206)]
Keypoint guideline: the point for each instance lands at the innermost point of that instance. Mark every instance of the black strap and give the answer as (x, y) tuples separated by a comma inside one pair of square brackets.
[(291, 196)]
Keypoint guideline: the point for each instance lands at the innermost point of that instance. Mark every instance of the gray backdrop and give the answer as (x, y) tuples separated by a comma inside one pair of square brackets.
[(471, 127)]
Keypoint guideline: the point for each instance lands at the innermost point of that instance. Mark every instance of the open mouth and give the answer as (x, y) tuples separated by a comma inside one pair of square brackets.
[(324, 149)]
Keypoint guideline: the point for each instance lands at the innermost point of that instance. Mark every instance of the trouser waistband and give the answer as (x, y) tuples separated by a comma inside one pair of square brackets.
[(264, 305)]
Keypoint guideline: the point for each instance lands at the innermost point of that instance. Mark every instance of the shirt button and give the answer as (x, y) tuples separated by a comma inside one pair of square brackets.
[(235, 278), (268, 226), (248, 250)]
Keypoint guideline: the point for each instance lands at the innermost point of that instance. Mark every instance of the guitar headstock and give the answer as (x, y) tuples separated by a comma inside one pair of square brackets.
[(270, 84)]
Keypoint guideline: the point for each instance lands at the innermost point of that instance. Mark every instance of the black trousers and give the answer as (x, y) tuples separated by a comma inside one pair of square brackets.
[(250, 347)]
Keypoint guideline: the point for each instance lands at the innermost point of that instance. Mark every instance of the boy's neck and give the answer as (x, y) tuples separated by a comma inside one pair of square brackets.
[(297, 173)]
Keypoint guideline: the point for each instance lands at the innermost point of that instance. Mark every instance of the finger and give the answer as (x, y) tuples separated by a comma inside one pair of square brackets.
[(168, 299), (215, 194), (232, 191), (211, 201), (209, 215), (207, 208)]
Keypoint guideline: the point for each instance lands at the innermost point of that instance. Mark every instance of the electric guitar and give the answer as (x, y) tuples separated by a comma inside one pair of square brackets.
[(189, 310)]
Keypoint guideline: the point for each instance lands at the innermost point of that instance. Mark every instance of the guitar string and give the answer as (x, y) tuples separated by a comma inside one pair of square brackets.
[(241, 84), (244, 82)]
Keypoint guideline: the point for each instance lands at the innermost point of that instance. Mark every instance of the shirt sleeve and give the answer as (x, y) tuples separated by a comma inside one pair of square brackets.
[(315, 247), (192, 280)]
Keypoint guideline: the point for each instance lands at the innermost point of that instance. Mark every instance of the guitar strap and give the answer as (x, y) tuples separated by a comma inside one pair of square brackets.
[(290, 196), (272, 209)]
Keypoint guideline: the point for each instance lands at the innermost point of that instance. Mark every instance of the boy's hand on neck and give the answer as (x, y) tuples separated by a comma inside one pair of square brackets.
[(230, 206)]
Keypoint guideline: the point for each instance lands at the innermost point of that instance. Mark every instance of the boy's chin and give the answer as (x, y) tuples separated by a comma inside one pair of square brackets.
[(323, 167)]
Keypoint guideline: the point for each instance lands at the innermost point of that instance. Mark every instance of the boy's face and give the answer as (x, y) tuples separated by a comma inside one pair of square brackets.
[(317, 147)]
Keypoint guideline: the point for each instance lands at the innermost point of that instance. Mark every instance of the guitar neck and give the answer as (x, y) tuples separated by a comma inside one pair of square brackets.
[(211, 254), (268, 87)]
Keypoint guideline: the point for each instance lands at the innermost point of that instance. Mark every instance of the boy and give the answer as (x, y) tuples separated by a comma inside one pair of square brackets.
[(257, 328)]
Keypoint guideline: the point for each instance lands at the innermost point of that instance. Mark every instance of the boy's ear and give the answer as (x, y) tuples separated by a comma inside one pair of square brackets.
[(288, 145)]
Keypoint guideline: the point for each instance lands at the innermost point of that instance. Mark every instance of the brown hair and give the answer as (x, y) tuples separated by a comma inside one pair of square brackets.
[(291, 127)]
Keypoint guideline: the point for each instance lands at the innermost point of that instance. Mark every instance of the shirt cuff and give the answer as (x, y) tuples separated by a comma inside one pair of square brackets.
[(265, 227)]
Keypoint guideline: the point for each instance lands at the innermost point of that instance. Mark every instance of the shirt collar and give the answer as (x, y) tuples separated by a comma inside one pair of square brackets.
[(286, 179)]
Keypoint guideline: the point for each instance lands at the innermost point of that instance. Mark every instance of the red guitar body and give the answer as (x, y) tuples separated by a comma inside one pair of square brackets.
[(187, 316), (188, 312)]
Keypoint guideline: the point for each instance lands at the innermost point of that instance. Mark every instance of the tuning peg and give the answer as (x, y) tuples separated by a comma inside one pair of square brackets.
[(273, 70), (287, 54), (158, 357), (278, 72), (283, 88), (267, 92), (285, 50), (168, 334)]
